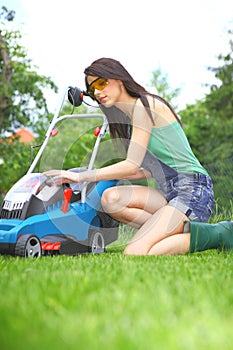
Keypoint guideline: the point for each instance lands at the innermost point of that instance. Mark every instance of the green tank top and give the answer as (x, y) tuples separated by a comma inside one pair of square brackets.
[(169, 143)]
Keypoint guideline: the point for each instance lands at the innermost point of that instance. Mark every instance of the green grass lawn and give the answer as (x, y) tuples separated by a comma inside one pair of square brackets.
[(112, 301)]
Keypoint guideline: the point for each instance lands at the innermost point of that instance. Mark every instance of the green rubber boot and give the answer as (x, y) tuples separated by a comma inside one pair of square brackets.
[(211, 236)]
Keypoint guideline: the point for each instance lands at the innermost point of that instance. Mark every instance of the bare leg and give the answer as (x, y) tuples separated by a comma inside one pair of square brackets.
[(172, 245), (154, 237), (133, 205)]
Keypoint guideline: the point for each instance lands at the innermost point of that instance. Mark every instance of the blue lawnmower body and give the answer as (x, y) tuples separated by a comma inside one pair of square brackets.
[(37, 218)]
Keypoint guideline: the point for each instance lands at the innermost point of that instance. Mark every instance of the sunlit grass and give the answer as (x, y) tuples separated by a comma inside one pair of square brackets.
[(112, 301)]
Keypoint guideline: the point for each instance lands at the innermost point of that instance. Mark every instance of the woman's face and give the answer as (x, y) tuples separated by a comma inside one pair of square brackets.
[(106, 91)]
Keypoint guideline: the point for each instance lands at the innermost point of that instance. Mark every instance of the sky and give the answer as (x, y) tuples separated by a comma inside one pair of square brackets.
[(182, 38)]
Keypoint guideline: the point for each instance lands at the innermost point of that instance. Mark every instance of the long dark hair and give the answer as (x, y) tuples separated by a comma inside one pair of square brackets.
[(119, 123)]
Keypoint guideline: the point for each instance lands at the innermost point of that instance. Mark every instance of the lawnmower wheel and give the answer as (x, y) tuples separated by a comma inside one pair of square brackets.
[(28, 246), (96, 242)]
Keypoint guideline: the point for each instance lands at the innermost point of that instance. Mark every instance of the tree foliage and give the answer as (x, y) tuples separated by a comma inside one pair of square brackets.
[(22, 101), (220, 100), (21, 87), (159, 82), (209, 123)]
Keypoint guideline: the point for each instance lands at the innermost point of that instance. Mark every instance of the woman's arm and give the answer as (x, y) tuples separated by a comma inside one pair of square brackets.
[(122, 170), (126, 169), (141, 174)]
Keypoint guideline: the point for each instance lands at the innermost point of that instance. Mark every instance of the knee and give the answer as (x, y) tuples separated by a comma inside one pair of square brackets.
[(130, 251), (109, 199), (134, 249)]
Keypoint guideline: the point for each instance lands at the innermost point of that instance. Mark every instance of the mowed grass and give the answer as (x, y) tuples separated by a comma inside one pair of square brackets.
[(112, 301)]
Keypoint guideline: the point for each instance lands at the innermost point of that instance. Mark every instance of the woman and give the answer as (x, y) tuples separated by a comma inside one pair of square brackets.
[(156, 147)]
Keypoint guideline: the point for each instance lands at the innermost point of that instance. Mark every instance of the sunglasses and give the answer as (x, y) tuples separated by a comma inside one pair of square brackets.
[(98, 84)]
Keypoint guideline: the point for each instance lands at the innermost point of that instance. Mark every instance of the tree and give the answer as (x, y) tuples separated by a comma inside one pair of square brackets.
[(159, 81), (209, 124), (22, 101), (220, 99), (21, 87)]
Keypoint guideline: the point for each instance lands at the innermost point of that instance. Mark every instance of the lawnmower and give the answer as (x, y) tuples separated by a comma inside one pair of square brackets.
[(38, 219)]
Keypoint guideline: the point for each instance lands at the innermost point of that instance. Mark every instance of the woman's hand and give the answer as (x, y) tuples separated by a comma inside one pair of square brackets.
[(58, 177)]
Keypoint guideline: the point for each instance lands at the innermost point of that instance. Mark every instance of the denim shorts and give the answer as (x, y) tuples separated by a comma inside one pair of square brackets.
[(190, 193)]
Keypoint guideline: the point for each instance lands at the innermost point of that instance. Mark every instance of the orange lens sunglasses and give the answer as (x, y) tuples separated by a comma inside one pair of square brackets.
[(98, 84)]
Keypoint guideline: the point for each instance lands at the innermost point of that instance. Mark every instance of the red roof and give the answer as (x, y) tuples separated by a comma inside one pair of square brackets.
[(24, 135)]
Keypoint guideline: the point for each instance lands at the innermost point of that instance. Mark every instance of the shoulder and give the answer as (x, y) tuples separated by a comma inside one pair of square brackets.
[(162, 114), (142, 115)]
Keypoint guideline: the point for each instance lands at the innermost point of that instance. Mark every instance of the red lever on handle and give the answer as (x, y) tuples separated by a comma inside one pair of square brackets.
[(54, 132), (97, 131), (67, 197)]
